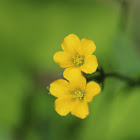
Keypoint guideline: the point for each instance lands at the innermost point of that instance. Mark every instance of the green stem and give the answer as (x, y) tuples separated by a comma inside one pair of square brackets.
[(100, 78), (125, 9)]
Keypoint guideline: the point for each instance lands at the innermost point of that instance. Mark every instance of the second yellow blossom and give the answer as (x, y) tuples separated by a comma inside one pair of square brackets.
[(73, 94)]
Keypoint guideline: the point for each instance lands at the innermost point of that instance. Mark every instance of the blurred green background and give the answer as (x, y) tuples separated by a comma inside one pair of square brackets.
[(31, 31)]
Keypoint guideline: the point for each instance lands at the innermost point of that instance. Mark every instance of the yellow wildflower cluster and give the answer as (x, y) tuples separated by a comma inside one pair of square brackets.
[(74, 93)]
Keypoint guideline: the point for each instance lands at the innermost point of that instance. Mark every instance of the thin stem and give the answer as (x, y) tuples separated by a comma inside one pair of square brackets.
[(100, 78), (124, 15), (125, 8), (130, 81), (116, 75)]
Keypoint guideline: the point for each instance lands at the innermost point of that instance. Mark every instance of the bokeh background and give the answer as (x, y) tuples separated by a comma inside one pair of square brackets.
[(31, 31)]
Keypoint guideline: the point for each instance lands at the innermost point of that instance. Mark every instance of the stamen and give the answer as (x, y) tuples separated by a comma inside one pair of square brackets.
[(79, 95), (78, 60)]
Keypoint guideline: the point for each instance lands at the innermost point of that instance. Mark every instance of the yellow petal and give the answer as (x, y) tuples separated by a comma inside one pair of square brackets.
[(90, 64), (80, 109), (76, 79), (71, 44), (92, 90), (88, 46), (67, 70), (64, 59), (60, 88), (63, 106)]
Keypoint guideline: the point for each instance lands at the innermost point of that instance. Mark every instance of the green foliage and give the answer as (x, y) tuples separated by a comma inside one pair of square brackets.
[(30, 35)]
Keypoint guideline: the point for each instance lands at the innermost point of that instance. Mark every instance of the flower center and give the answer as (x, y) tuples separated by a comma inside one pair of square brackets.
[(79, 94), (78, 60)]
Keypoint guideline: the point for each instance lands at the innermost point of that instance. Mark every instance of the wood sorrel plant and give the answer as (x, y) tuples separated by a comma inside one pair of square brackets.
[(74, 93)]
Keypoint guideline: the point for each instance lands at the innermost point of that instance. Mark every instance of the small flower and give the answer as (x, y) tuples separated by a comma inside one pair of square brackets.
[(73, 95), (77, 54)]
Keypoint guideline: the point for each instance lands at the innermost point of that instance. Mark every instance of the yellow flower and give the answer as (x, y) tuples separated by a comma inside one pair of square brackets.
[(73, 95), (77, 54)]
